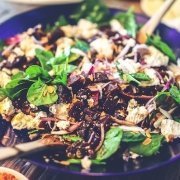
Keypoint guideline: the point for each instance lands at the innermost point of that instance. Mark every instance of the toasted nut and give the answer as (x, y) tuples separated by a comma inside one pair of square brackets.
[(147, 141)]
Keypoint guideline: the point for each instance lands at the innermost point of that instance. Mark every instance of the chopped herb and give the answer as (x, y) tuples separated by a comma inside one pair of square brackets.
[(162, 46), (128, 20), (141, 76), (175, 93)]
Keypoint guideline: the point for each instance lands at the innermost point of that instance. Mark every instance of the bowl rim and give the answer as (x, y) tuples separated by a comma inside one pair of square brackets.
[(68, 171)]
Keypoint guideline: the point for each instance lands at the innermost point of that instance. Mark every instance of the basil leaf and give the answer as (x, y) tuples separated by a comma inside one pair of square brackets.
[(162, 46), (82, 45), (132, 137), (2, 94), (36, 71), (16, 87), (111, 143), (149, 149), (43, 57), (42, 94), (127, 19), (72, 138), (92, 10), (141, 76), (175, 94)]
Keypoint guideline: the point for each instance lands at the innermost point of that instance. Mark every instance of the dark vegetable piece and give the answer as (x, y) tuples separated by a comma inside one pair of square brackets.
[(64, 94), (55, 35), (76, 110), (100, 77), (76, 82)]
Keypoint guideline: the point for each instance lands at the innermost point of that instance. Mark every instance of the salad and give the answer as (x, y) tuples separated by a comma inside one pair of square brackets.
[(91, 87)]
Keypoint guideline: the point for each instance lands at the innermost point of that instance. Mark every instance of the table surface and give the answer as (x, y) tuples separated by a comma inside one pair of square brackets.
[(34, 172)]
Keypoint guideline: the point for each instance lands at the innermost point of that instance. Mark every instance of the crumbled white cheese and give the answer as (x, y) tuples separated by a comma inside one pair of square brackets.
[(155, 58), (28, 46), (60, 111), (103, 46), (116, 26), (128, 66), (62, 44), (6, 107), (131, 105), (86, 29), (5, 78), (170, 127), (86, 163), (137, 115), (152, 74), (142, 49), (23, 121), (63, 125)]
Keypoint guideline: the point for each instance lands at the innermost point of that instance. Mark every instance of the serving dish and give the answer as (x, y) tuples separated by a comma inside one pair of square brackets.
[(169, 154)]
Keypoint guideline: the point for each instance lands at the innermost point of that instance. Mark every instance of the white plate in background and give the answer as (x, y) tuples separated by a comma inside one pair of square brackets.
[(44, 2), (18, 175)]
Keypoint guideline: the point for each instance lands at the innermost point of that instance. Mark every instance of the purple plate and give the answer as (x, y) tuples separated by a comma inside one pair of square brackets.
[(116, 167)]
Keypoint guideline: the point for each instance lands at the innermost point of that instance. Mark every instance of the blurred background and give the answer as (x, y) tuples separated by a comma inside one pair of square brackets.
[(9, 8)]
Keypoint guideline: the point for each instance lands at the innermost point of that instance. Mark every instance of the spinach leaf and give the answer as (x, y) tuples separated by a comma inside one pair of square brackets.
[(43, 57), (127, 19), (19, 75), (61, 21), (111, 143), (82, 45), (129, 136), (149, 149), (175, 94), (41, 94), (141, 76), (2, 94), (92, 10), (35, 72), (72, 138), (16, 87), (162, 46), (58, 69)]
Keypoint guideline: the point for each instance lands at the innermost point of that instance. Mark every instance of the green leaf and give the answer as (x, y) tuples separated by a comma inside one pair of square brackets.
[(162, 46), (19, 75), (43, 57), (175, 94), (61, 21), (35, 71), (127, 19), (111, 143), (57, 60), (2, 45), (2, 94), (177, 119), (129, 136), (92, 10), (149, 149), (141, 76), (72, 138), (129, 78), (58, 69), (16, 87), (82, 45), (42, 94), (162, 96)]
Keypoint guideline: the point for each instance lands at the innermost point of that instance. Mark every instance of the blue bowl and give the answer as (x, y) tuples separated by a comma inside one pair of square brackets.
[(169, 154)]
